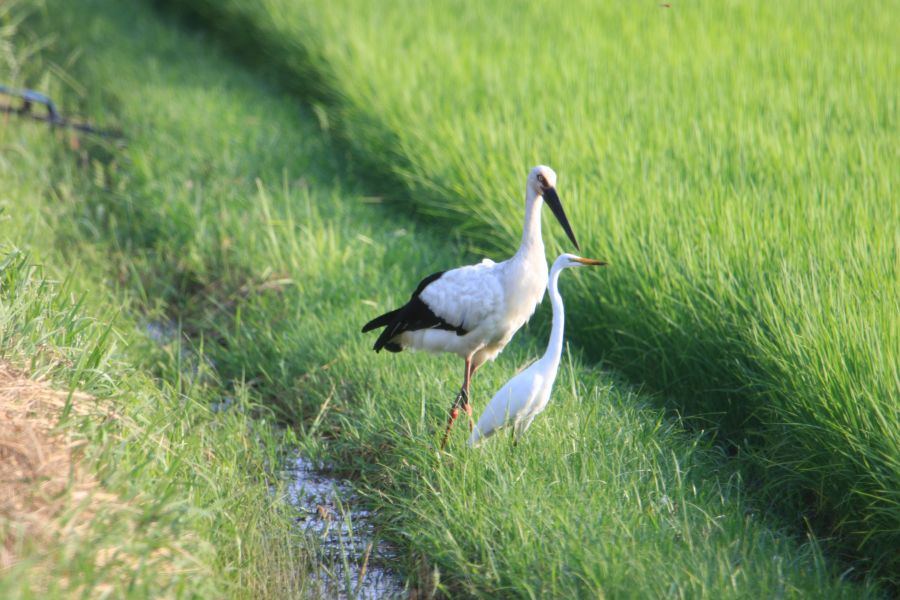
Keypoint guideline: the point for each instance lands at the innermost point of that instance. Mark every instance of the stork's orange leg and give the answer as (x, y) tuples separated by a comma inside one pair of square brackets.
[(467, 406), (461, 401)]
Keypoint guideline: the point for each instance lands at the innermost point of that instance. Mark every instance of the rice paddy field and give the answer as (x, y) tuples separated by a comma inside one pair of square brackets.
[(726, 423)]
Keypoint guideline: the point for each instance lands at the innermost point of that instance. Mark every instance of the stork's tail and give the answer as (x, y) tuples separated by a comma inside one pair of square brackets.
[(384, 340), (381, 321)]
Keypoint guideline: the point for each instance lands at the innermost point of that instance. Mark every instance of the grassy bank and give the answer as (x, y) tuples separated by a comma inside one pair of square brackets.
[(228, 209), (733, 162), (163, 497), (139, 488)]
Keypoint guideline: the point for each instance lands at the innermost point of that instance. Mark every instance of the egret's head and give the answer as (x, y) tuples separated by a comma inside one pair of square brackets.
[(542, 182), (570, 260)]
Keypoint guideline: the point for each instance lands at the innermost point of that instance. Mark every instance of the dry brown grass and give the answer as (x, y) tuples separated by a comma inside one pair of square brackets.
[(46, 494), (55, 514)]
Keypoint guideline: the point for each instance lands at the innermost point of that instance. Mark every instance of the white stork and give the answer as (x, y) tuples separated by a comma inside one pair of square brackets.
[(527, 394), (474, 311)]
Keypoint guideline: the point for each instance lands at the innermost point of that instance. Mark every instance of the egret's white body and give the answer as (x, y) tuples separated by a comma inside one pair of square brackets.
[(524, 396), (474, 311)]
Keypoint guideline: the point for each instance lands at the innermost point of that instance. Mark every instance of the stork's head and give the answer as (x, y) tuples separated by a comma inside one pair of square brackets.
[(570, 260), (542, 182), (541, 178)]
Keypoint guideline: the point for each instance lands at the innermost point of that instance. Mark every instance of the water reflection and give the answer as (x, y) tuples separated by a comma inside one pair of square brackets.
[(353, 561)]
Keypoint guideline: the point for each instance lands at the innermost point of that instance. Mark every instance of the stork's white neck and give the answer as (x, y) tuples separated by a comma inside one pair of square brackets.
[(554, 348), (532, 242)]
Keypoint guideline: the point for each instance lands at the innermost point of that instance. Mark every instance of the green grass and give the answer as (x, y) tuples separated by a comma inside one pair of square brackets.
[(189, 510), (185, 508), (229, 209), (732, 161)]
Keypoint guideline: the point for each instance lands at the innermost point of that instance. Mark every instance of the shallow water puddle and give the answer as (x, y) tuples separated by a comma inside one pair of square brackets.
[(353, 562)]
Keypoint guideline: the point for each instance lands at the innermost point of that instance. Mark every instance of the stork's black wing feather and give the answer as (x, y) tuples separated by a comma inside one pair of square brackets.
[(412, 316), (381, 321)]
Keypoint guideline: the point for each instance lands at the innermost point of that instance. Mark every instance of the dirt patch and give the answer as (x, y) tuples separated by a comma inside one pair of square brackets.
[(40, 475)]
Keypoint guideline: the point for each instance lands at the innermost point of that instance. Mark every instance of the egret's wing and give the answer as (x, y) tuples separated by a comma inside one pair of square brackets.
[(509, 404)]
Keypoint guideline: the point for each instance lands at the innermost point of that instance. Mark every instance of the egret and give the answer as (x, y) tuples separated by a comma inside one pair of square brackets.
[(474, 311), (527, 394)]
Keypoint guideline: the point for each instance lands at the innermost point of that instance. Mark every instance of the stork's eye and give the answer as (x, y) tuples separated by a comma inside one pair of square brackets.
[(542, 180)]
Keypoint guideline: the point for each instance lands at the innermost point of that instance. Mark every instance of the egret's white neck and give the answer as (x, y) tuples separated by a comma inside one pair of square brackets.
[(531, 232), (554, 348)]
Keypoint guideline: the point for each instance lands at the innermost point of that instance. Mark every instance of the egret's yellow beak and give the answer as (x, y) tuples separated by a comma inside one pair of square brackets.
[(591, 261)]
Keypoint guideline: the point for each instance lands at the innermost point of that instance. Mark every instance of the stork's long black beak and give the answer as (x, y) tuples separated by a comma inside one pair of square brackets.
[(552, 200)]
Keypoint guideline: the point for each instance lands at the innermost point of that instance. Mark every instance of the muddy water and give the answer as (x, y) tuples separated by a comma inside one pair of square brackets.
[(353, 562)]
